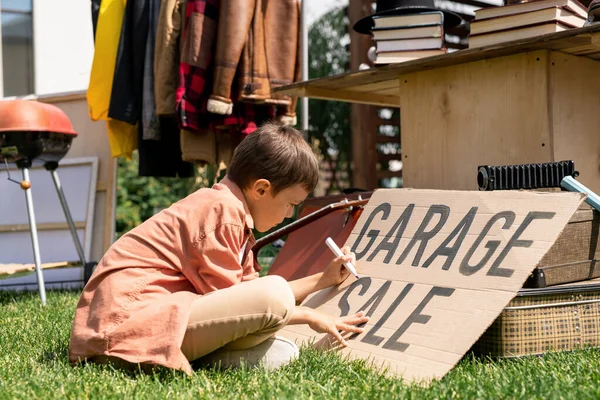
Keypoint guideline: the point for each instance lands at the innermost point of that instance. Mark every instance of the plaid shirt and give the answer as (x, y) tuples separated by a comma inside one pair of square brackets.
[(195, 76)]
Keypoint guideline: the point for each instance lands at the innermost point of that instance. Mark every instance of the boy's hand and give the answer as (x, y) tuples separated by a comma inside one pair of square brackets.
[(336, 273), (324, 323)]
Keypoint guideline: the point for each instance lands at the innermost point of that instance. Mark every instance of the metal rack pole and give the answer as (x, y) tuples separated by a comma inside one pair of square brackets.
[(304, 39)]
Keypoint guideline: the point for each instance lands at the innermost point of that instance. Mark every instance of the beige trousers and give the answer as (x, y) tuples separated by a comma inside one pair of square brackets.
[(238, 317)]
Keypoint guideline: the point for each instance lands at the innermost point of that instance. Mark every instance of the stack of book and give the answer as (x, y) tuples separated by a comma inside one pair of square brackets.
[(525, 20), (401, 38)]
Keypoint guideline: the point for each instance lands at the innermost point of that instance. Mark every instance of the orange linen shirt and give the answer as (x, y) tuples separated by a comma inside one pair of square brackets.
[(136, 305)]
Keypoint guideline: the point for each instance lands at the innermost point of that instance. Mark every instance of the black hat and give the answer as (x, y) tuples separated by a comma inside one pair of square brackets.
[(398, 7)]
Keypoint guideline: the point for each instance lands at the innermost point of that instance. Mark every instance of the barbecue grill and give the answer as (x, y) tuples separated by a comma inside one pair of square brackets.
[(34, 133)]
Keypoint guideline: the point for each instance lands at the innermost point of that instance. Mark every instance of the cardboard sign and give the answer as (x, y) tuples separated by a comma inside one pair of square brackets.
[(437, 268)]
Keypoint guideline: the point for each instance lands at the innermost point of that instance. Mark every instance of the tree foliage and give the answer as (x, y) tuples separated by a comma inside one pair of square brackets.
[(329, 121), (139, 197)]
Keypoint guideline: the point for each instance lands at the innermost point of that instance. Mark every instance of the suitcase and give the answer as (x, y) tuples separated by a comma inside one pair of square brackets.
[(575, 254), (563, 317)]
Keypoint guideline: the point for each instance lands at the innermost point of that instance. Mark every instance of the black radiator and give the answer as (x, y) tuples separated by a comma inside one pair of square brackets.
[(524, 176)]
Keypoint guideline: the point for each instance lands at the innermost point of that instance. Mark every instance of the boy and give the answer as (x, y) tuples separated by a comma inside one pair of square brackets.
[(184, 284)]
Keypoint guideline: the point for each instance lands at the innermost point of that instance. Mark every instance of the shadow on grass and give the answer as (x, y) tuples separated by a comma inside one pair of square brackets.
[(12, 296), (58, 353), (9, 296)]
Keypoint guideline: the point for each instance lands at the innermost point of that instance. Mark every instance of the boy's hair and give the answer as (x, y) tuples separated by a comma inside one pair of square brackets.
[(277, 153)]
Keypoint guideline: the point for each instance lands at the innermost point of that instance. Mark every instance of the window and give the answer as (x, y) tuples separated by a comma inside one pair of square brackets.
[(16, 39)]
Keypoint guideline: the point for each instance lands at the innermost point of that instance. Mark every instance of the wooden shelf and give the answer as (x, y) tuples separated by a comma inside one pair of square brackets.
[(381, 174), (381, 85), (387, 139), (383, 121), (389, 157)]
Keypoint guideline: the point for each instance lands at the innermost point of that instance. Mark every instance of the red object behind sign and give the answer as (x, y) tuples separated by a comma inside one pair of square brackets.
[(305, 252)]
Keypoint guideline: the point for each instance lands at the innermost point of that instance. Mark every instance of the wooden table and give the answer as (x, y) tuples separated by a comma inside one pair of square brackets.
[(526, 101), (9, 269)]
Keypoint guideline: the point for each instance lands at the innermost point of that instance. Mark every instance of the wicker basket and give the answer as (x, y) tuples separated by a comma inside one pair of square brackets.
[(565, 317)]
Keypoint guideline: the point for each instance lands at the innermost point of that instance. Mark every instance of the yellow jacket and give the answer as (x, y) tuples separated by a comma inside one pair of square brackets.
[(121, 135)]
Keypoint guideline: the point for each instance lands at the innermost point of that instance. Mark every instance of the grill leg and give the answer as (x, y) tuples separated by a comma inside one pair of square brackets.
[(65, 207), (34, 239)]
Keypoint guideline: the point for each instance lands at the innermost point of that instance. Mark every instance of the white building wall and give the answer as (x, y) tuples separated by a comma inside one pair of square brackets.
[(1, 80), (63, 45)]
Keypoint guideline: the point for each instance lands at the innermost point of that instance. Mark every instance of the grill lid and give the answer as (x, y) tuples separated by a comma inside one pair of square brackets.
[(33, 116)]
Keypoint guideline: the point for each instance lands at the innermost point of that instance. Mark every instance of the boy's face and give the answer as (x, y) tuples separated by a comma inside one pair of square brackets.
[(267, 210)]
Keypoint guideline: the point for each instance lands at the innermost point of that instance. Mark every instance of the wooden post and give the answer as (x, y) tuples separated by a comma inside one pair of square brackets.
[(363, 117)]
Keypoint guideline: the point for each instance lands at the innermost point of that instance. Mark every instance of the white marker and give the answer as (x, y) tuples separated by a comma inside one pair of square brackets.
[(338, 253)]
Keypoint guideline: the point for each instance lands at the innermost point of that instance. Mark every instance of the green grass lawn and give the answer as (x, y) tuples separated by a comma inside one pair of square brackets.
[(33, 364)]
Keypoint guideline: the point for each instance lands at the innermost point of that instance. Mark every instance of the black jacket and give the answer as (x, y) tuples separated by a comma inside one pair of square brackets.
[(126, 96), (95, 12)]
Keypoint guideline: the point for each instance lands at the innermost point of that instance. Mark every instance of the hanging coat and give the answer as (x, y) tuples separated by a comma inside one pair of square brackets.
[(260, 50), (167, 55), (132, 96), (95, 12), (122, 137), (126, 95)]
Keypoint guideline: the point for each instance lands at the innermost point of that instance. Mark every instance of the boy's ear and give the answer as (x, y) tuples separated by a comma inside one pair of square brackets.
[(260, 187)]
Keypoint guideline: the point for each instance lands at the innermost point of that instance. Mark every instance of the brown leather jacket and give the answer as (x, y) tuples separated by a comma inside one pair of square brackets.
[(262, 38), (166, 55)]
